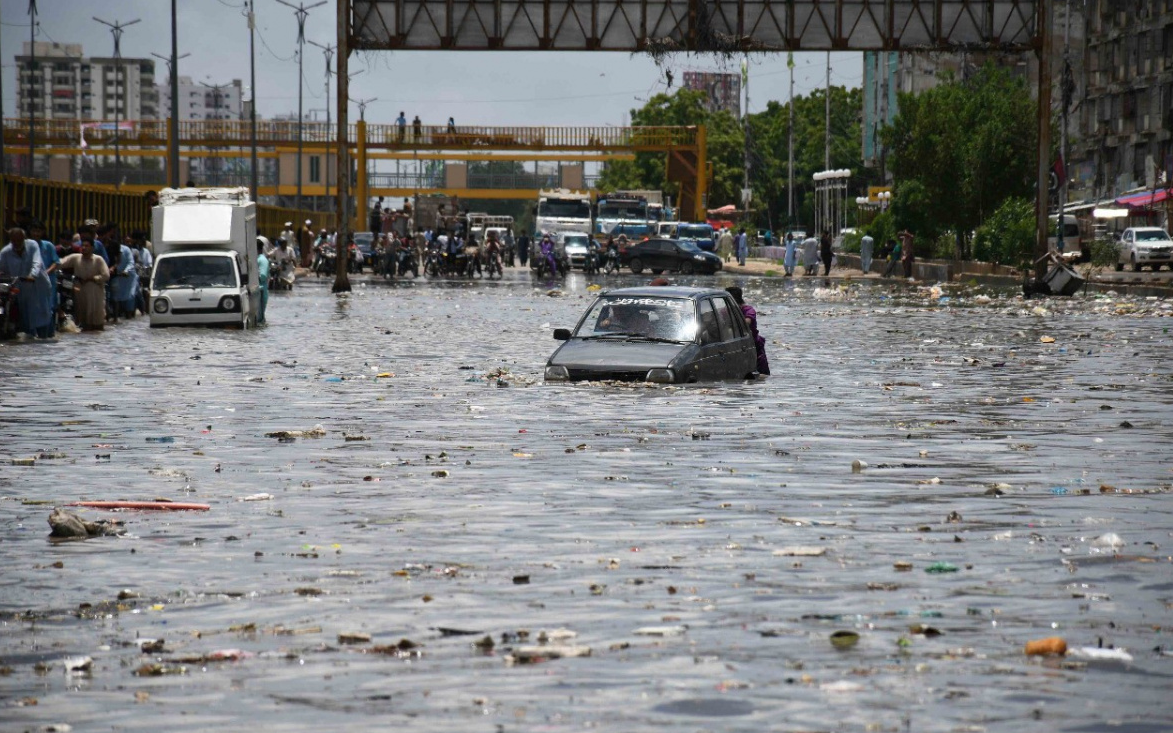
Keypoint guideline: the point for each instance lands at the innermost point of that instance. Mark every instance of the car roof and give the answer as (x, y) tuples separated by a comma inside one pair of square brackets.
[(666, 291)]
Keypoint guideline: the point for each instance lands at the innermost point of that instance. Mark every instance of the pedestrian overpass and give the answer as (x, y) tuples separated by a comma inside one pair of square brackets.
[(444, 157)]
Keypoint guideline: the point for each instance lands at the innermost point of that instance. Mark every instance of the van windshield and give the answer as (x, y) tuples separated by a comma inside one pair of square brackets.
[(195, 271)]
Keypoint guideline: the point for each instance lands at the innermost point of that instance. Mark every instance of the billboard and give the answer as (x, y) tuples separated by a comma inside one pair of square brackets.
[(722, 91)]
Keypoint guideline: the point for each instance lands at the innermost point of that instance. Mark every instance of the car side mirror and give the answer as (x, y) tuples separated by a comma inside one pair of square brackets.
[(561, 334)]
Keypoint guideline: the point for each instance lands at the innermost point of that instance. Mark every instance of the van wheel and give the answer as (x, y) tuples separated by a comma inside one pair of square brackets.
[(1119, 266), (637, 265)]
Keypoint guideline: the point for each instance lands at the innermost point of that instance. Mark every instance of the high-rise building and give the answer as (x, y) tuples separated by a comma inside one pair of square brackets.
[(1126, 104), (66, 84), (204, 102)]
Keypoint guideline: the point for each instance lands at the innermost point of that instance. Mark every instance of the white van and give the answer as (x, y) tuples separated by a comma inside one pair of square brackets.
[(205, 270)]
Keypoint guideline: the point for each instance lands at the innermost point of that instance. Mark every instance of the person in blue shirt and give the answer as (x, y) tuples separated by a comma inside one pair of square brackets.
[(21, 259), (50, 261), (123, 281), (263, 278)]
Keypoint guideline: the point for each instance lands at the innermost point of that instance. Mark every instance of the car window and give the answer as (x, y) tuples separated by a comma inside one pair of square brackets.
[(1153, 235), (724, 319), (710, 331), (738, 320)]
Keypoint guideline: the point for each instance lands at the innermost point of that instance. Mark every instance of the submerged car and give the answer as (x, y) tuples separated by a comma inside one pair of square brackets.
[(668, 335)]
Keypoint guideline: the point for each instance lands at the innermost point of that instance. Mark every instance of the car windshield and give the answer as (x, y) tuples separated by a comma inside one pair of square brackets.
[(575, 240), (197, 271), (1152, 235), (689, 246), (693, 231), (669, 319), (564, 209)]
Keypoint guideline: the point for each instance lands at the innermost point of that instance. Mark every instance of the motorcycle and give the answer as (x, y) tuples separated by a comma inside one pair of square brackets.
[(611, 261), (407, 262), (65, 296), (433, 263), (590, 263), (494, 266), (282, 277), (9, 317)]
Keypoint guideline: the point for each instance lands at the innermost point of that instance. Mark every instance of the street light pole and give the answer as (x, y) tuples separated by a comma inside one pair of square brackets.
[(328, 52), (32, 71), (252, 70), (301, 11), (172, 121), (116, 29)]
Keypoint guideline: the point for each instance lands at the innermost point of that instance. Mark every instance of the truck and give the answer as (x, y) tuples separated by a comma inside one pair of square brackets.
[(563, 210), (205, 270), (623, 212)]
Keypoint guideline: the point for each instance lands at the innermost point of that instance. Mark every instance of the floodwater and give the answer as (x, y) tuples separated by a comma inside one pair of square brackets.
[(702, 542)]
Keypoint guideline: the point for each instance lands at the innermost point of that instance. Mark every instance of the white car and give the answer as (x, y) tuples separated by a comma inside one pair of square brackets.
[(1140, 246), (575, 244)]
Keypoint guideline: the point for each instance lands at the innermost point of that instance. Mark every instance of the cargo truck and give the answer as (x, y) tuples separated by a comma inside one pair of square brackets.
[(205, 270)]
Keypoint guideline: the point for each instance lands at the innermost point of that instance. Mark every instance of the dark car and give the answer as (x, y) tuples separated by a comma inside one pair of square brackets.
[(656, 334), (661, 254)]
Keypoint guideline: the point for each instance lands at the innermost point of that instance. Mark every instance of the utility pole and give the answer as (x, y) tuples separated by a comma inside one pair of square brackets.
[(1065, 99), (341, 281), (116, 29), (3, 161), (328, 52), (1043, 24), (301, 11), (32, 72), (745, 195), (252, 81), (172, 123), (790, 165), (827, 142)]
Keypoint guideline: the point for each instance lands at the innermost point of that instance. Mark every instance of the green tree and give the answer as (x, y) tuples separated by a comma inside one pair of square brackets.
[(725, 140), (1007, 236), (958, 151)]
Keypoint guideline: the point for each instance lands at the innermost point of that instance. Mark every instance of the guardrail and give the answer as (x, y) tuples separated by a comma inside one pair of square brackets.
[(271, 133)]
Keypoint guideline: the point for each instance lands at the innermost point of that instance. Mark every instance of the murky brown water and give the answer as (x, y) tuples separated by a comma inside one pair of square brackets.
[(604, 511)]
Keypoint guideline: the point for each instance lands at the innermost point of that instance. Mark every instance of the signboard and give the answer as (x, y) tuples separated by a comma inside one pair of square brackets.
[(722, 91)]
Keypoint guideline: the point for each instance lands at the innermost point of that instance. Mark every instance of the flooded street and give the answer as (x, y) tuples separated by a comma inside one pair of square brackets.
[(688, 551)]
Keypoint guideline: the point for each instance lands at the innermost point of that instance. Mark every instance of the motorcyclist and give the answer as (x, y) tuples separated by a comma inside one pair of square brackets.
[(612, 254), (592, 255), (493, 252), (471, 251), (547, 249), (282, 260)]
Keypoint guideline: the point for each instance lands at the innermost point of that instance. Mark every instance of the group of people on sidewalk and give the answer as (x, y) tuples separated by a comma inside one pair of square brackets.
[(819, 251)]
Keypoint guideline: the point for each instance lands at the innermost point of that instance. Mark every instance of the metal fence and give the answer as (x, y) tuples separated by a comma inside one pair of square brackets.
[(63, 207)]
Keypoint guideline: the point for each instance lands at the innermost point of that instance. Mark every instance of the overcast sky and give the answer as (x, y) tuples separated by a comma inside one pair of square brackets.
[(491, 88)]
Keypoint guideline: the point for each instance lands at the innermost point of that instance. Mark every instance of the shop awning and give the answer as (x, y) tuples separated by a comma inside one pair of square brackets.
[(1144, 199)]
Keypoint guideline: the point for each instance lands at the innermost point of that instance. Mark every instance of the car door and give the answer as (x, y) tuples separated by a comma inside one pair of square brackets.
[(744, 351), (733, 364), (710, 356)]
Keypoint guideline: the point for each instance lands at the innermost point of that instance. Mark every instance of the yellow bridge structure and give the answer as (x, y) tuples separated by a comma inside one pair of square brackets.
[(684, 149)]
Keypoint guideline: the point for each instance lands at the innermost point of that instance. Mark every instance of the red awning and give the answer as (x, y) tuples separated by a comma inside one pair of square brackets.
[(1144, 199), (727, 210)]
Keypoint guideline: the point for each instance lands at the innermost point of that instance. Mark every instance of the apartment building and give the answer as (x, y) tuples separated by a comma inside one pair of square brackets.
[(204, 101), (1126, 106), (66, 84)]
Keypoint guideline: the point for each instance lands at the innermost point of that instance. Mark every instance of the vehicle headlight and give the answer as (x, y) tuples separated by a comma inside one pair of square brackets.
[(699, 257), (162, 305), (229, 303), (557, 374), (661, 376)]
